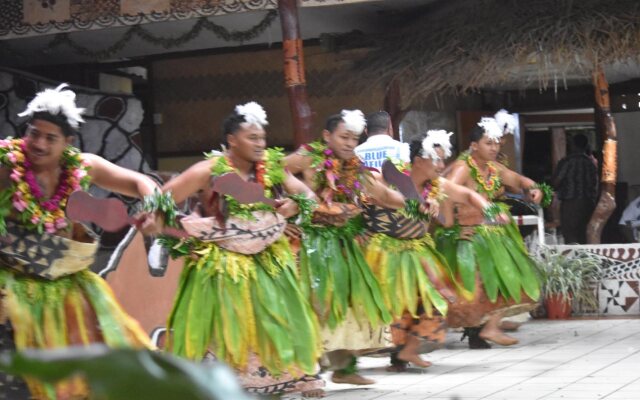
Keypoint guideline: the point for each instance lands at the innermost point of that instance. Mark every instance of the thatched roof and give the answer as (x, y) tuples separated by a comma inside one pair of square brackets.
[(463, 45)]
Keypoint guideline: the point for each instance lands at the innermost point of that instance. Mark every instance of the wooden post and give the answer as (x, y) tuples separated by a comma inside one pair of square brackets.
[(607, 203), (294, 78), (392, 105), (558, 152), (558, 145)]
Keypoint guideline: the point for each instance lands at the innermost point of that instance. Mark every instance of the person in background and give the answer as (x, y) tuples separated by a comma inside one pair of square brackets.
[(576, 184), (630, 220), (380, 143)]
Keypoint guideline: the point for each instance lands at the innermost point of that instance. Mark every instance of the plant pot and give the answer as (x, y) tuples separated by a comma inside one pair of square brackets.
[(557, 306)]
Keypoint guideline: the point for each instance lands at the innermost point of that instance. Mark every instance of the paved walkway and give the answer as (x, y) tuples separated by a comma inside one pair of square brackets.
[(576, 359)]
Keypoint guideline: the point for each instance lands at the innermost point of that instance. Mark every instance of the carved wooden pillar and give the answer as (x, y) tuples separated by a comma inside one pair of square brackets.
[(294, 78), (607, 203), (393, 105)]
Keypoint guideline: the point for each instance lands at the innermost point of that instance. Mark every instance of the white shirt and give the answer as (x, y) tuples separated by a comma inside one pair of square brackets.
[(631, 214), (380, 147)]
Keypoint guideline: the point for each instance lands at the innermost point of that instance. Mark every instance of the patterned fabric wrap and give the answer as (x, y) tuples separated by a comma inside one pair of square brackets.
[(235, 305), (498, 255), (336, 276), (244, 236), (392, 223), (257, 380), (44, 255), (77, 309)]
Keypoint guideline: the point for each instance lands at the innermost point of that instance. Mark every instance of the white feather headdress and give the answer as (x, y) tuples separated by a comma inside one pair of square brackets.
[(54, 102), (253, 113), (506, 121), (354, 121), (436, 138), (492, 130)]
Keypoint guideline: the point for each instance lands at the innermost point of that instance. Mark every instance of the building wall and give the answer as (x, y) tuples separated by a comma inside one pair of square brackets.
[(192, 95)]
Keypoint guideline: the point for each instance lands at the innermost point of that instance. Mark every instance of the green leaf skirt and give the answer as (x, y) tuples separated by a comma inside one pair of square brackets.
[(336, 277), (235, 304), (497, 254), (411, 273), (76, 310)]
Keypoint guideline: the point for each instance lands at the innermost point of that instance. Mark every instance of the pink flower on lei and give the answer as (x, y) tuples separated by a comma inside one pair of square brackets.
[(61, 223), (50, 227)]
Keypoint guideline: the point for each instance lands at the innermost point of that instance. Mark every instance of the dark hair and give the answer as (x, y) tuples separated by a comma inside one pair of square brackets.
[(580, 142), (332, 122), (476, 134), (415, 146), (378, 122), (231, 125), (58, 119)]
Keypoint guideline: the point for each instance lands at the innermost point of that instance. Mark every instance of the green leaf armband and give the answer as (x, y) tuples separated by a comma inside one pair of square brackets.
[(491, 212), (411, 209), (162, 202), (547, 194), (306, 206)]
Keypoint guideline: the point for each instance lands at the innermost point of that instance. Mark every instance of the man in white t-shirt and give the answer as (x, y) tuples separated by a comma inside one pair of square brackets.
[(630, 221), (380, 145)]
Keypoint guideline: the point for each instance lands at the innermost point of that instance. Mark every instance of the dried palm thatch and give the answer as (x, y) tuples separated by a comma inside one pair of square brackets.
[(465, 45)]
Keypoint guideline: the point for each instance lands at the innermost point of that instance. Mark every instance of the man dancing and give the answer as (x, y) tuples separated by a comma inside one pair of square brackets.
[(380, 143), (339, 282), (416, 282), (50, 297), (239, 297), (491, 262)]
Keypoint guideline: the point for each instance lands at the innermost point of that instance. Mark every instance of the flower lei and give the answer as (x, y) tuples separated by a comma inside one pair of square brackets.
[(268, 172), (491, 184), (338, 180), (26, 195)]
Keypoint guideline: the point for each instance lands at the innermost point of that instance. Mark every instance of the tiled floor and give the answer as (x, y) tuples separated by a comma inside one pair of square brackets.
[(576, 359)]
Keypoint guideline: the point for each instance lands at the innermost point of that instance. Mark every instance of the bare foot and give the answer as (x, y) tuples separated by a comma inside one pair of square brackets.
[(352, 379), (498, 337), (509, 326), (315, 393), (413, 359)]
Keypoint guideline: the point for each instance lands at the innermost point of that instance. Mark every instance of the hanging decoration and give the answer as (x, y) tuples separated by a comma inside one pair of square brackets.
[(202, 24)]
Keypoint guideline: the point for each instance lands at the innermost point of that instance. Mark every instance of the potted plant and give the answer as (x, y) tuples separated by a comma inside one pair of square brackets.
[(566, 277)]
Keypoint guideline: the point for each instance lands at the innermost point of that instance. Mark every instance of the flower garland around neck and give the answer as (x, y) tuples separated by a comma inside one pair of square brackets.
[(26, 196), (269, 172), (337, 180), (491, 184)]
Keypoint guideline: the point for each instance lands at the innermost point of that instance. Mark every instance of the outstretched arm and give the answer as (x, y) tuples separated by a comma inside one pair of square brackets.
[(124, 181), (189, 182), (297, 162), (520, 182), (117, 179), (292, 185), (382, 195), (461, 194)]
